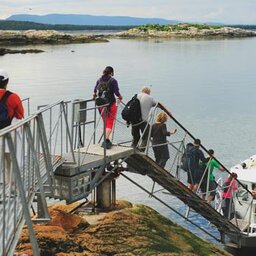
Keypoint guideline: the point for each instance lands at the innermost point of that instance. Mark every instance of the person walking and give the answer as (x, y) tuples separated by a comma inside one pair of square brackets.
[(142, 128), (10, 108), (159, 135), (227, 195), (208, 176), (194, 171), (105, 92), (10, 100)]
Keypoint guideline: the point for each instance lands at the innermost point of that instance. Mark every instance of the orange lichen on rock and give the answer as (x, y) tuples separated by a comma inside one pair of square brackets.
[(66, 220), (135, 230)]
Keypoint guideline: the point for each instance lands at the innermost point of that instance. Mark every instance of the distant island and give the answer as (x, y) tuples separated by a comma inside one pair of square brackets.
[(185, 30), (27, 25), (31, 37), (84, 19)]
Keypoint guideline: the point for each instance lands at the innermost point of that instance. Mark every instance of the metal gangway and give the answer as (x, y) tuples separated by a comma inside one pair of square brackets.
[(56, 153)]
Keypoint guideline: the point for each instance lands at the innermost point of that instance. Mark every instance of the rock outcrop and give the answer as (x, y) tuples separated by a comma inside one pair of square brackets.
[(134, 230), (187, 31), (45, 37), (4, 51)]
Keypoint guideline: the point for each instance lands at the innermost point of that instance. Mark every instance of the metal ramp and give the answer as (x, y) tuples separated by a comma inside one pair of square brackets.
[(146, 166)]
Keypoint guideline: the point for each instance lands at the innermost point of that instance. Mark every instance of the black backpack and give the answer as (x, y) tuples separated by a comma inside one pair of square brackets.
[(188, 157), (5, 120), (103, 92), (132, 111)]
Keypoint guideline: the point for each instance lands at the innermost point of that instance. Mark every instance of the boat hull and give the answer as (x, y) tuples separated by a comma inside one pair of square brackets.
[(243, 240)]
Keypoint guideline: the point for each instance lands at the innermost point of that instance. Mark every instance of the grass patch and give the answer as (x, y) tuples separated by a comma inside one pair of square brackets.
[(176, 27)]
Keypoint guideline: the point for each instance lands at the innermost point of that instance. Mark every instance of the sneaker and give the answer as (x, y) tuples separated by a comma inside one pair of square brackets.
[(108, 144)]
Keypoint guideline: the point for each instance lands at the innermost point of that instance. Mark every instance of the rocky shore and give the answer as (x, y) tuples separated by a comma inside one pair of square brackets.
[(30, 37), (4, 51), (128, 230), (185, 31), (37, 37)]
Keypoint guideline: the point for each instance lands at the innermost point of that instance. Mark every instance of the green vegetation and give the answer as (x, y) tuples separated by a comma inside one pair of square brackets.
[(176, 27), (25, 25), (164, 236), (135, 230)]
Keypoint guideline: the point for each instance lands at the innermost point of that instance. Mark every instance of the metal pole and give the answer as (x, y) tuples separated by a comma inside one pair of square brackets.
[(37, 171), (22, 193)]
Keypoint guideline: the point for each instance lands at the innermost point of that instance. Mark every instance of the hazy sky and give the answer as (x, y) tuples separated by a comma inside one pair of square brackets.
[(227, 11)]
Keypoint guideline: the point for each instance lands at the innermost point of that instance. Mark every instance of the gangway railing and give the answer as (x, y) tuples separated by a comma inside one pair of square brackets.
[(146, 166), (176, 145), (122, 136), (30, 150)]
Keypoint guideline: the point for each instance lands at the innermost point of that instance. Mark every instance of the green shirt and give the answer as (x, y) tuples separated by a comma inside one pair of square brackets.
[(213, 164)]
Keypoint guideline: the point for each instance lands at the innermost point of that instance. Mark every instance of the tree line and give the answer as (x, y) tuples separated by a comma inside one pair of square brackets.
[(25, 25)]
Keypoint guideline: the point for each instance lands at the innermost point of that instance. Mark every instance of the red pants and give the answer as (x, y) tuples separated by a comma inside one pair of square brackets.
[(110, 115)]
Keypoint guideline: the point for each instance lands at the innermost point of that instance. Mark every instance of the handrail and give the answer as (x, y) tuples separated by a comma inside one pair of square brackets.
[(32, 169), (202, 146)]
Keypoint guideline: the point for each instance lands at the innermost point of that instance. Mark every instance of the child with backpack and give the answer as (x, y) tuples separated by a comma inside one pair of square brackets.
[(104, 93), (159, 134)]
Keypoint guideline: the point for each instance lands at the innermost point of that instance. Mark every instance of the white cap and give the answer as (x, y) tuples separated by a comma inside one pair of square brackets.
[(3, 75)]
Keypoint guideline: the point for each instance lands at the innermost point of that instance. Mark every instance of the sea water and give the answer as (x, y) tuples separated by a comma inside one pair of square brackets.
[(208, 85)]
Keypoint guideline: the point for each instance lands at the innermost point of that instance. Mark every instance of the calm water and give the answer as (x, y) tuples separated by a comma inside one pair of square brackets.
[(209, 85)]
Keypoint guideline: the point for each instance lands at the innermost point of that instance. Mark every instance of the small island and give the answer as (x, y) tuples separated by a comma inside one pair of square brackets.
[(30, 37), (4, 51), (185, 31)]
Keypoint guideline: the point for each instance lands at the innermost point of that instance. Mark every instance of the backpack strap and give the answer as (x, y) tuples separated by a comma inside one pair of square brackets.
[(107, 82), (5, 96), (110, 80)]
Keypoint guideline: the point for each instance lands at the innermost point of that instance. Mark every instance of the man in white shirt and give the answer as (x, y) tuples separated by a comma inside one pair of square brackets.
[(146, 103)]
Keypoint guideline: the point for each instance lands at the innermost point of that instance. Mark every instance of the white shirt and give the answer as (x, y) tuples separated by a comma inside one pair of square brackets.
[(146, 103)]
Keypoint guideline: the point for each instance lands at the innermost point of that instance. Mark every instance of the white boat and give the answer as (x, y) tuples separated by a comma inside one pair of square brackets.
[(245, 203)]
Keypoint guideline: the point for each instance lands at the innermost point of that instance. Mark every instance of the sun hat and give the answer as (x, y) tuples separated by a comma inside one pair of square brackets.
[(3, 75)]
